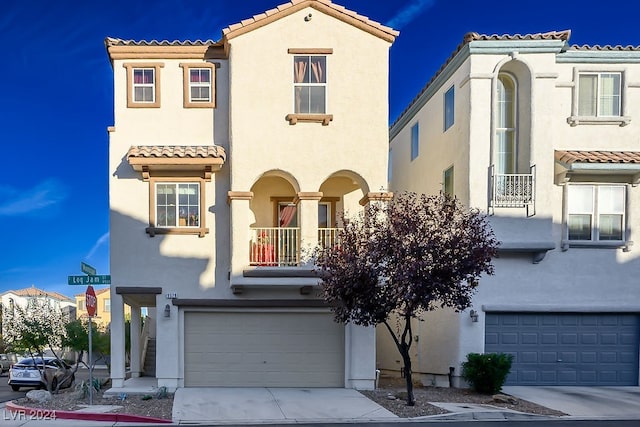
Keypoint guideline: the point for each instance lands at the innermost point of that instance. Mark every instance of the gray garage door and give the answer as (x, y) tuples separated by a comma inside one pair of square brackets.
[(567, 348), (253, 349)]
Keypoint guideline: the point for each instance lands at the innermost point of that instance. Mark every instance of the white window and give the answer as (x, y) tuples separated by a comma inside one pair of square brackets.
[(324, 215), (310, 84), (144, 85), (449, 108), (107, 305), (415, 141), (177, 204), (599, 94), (81, 305), (596, 213), (505, 145), (200, 85)]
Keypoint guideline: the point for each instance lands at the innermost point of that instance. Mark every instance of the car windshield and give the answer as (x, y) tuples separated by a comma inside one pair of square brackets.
[(30, 362)]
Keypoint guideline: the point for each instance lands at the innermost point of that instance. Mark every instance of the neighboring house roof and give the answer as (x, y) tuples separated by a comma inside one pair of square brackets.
[(36, 292), (113, 41), (570, 157), (325, 6)]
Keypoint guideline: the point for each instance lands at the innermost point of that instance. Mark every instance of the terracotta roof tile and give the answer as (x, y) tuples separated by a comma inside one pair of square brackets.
[(177, 151), (112, 41), (390, 32), (569, 157), (605, 47), (36, 292)]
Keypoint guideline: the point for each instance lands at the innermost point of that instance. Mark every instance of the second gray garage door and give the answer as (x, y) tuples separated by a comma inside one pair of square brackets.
[(252, 349), (581, 349)]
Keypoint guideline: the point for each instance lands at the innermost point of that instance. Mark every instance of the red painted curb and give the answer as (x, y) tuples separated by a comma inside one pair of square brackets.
[(87, 416)]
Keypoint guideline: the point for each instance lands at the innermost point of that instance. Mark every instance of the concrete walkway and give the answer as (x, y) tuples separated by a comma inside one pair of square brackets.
[(585, 402), (274, 405)]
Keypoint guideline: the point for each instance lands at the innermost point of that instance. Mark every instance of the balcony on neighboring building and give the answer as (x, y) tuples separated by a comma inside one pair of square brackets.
[(514, 190)]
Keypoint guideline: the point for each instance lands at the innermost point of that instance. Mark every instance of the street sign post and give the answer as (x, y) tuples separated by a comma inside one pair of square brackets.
[(87, 269), (91, 303), (100, 279)]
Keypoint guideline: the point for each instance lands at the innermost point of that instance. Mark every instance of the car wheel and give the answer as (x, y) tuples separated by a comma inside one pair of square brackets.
[(15, 387), (54, 384)]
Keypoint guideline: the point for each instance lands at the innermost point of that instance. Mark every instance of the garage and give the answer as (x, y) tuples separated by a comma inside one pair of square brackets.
[(580, 349), (263, 349)]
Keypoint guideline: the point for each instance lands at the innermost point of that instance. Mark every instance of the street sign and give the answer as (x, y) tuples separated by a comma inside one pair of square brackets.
[(101, 279), (91, 302), (87, 269)]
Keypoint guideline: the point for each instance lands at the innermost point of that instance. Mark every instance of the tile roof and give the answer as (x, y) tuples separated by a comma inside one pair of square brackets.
[(338, 11), (569, 157), (36, 292), (177, 151), (113, 41)]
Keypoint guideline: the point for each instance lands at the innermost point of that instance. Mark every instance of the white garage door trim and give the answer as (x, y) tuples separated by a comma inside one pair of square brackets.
[(263, 349)]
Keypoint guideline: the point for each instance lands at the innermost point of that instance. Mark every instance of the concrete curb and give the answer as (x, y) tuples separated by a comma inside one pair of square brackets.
[(85, 416)]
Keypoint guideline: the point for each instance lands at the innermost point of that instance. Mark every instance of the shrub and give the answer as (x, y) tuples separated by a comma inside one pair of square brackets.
[(486, 373)]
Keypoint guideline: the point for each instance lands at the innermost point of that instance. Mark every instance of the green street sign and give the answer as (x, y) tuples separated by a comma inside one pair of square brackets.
[(101, 279), (87, 269)]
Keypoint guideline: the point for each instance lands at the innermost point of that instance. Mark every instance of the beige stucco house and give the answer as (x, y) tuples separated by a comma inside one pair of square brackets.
[(228, 163), (543, 137)]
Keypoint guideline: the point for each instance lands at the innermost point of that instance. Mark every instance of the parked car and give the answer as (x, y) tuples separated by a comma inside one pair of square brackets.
[(5, 362), (27, 373)]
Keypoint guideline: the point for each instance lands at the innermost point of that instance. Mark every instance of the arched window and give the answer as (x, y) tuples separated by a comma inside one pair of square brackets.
[(505, 155)]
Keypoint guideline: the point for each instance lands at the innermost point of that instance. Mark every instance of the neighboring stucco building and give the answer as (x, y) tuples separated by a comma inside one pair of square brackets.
[(103, 307), (228, 163), (542, 136)]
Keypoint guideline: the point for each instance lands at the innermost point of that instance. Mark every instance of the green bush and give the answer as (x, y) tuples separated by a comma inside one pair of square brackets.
[(486, 373)]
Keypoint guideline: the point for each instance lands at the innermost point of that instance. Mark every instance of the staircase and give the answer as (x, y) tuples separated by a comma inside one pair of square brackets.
[(150, 359)]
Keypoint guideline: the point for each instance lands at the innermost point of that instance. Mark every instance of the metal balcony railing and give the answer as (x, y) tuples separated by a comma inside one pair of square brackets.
[(515, 190), (275, 246)]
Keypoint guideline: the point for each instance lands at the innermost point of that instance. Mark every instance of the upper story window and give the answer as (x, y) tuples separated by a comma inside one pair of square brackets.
[(447, 186), (415, 141), (449, 108), (505, 145), (599, 94), (177, 204), (107, 305), (143, 84), (596, 213), (598, 97), (310, 86), (198, 85)]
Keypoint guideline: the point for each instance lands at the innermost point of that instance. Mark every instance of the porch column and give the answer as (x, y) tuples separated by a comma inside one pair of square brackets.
[(118, 374), (308, 207), (134, 334), (240, 237)]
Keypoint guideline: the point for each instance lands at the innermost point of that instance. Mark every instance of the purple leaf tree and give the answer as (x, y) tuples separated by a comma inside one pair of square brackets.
[(414, 254)]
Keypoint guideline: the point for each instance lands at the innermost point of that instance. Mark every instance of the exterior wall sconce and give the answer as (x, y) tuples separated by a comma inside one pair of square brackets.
[(474, 316), (167, 310)]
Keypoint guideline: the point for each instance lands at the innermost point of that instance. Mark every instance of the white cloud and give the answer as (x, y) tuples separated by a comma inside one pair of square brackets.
[(409, 13), (101, 241), (46, 194)]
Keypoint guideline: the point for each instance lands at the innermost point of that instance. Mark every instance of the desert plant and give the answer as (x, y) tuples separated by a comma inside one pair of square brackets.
[(486, 373)]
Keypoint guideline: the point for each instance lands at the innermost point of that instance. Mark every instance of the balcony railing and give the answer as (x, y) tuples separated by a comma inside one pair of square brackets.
[(328, 237), (275, 247), (513, 190)]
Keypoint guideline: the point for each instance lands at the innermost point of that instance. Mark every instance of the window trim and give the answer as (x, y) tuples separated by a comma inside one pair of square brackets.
[(593, 242), (502, 169), (130, 66), (415, 141), (448, 170), (153, 229), (575, 119), (324, 119), (186, 84), (449, 123)]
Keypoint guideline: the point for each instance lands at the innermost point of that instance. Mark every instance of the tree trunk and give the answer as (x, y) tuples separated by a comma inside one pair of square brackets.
[(404, 352)]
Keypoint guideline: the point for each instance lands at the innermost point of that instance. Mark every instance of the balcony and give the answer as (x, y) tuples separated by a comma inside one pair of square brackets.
[(327, 237), (513, 190), (275, 246)]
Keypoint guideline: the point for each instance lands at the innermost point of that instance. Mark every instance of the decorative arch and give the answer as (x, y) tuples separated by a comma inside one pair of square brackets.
[(279, 173), (354, 176)]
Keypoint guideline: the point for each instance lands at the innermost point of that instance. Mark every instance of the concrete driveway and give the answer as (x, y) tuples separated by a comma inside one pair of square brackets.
[(280, 405), (619, 402)]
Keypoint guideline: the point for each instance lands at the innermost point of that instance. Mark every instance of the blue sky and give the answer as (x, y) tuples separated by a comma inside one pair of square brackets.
[(56, 99)]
